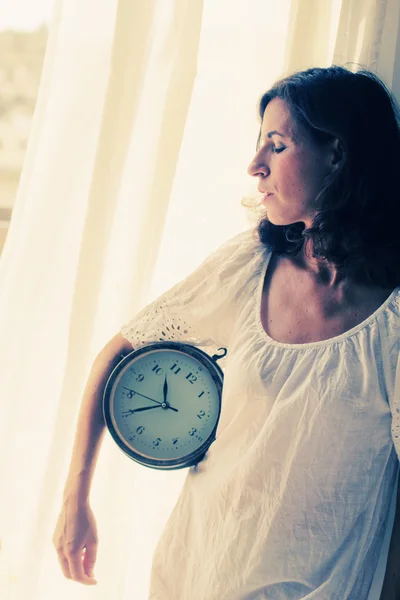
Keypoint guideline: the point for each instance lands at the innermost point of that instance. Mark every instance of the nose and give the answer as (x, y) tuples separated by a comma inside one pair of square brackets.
[(258, 167)]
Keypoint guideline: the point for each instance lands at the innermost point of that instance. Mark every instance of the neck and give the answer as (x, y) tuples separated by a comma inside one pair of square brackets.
[(322, 272)]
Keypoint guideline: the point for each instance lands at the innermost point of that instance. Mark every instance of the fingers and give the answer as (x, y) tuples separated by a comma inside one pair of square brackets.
[(75, 562), (89, 558), (63, 563), (76, 567), (71, 562)]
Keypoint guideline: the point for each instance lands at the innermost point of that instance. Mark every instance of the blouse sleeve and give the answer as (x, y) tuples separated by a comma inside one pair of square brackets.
[(201, 309)]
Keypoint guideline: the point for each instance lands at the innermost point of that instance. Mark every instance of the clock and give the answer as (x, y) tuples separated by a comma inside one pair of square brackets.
[(162, 403)]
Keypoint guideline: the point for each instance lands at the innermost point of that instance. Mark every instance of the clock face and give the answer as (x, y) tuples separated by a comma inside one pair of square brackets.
[(164, 404)]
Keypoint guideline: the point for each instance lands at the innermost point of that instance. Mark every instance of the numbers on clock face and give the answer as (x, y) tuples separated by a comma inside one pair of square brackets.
[(165, 404)]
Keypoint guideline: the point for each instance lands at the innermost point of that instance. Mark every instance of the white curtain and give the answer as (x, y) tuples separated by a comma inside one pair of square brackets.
[(144, 126)]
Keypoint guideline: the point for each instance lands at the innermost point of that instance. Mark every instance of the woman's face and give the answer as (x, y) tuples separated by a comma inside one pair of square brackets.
[(289, 166)]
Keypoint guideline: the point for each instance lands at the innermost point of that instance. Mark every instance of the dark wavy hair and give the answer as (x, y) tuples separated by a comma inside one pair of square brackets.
[(357, 226)]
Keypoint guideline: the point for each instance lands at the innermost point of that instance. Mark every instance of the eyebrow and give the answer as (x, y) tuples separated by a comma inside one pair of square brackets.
[(271, 133)]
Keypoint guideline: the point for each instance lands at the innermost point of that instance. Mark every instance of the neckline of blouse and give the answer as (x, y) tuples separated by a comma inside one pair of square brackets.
[(266, 256)]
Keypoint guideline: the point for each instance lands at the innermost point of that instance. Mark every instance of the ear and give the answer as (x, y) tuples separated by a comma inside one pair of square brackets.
[(337, 153)]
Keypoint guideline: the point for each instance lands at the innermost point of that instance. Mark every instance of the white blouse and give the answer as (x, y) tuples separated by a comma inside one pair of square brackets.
[(295, 498)]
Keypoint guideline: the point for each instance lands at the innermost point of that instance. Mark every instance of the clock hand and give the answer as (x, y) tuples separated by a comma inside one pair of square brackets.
[(156, 401), (131, 412), (134, 392), (165, 391), (165, 395)]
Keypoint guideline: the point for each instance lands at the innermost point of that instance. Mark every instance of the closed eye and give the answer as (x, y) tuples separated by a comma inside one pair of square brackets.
[(274, 149)]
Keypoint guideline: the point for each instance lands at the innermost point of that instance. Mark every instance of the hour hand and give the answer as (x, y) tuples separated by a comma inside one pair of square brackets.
[(165, 390)]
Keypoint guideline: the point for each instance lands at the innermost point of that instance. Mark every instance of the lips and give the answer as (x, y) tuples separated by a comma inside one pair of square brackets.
[(265, 198)]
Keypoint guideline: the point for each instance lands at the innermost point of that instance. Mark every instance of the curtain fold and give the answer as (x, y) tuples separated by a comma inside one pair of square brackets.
[(312, 30), (143, 128), (360, 32), (87, 120)]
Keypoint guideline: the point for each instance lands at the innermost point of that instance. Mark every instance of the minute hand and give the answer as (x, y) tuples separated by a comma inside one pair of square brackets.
[(152, 400), (143, 396), (132, 411)]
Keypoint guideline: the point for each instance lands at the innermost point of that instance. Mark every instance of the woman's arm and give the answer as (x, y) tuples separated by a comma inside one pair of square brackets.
[(391, 582), (91, 426), (75, 536)]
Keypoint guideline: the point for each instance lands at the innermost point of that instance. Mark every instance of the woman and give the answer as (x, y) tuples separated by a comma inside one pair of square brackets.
[(292, 499)]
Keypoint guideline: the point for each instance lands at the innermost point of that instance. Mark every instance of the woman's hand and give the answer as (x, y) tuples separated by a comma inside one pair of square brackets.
[(75, 539)]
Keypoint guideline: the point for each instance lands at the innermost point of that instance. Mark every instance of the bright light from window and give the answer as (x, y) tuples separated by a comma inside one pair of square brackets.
[(24, 15)]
